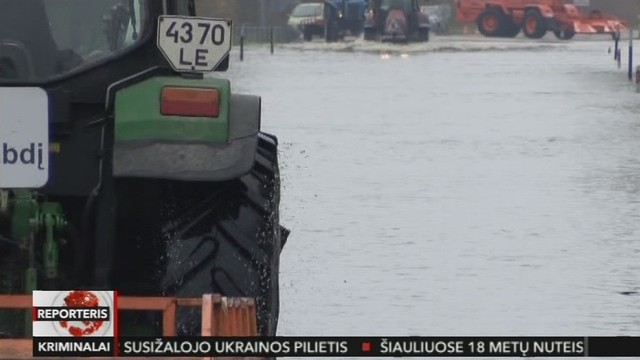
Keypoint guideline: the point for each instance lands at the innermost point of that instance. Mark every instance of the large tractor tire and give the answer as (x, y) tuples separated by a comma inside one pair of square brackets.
[(491, 22), (222, 238), (533, 25)]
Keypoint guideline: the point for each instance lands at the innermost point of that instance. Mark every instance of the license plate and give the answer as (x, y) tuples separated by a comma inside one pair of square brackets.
[(194, 44)]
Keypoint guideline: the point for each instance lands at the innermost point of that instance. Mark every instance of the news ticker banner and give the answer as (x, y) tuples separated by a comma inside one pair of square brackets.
[(81, 323), (339, 347)]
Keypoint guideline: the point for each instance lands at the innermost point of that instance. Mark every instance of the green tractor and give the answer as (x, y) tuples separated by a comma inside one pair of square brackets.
[(122, 166)]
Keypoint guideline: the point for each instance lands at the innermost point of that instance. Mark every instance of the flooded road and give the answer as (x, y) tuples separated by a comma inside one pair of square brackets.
[(470, 189)]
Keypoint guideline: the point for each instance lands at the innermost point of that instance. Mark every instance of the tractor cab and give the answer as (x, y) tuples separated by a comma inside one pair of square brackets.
[(42, 41), (45, 39)]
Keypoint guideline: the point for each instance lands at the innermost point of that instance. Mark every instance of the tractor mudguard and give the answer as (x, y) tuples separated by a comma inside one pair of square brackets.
[(245, 116), (151, 145)]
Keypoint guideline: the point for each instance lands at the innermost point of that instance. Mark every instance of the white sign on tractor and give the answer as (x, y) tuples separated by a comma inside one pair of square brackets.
[(24, 137), (194, 44)]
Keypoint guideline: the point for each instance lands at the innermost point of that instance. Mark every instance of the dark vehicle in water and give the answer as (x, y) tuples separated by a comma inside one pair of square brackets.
[(399, 21), (344, 17), (308, 18), (331, 19)]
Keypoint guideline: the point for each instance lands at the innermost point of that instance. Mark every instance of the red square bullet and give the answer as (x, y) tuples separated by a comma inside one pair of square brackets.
[(366, 347)]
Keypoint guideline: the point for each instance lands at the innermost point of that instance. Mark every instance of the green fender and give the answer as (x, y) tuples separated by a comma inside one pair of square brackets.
[(151, 145)]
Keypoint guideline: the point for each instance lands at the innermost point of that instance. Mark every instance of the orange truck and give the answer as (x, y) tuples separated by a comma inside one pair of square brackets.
[(505, 18)]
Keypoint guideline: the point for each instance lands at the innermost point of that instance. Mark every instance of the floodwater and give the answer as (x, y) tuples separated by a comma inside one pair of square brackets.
[(465, 187)]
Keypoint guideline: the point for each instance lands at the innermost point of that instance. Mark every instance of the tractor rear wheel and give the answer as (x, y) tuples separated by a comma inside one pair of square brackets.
[(533, 25), (491, 22), (222, 238)]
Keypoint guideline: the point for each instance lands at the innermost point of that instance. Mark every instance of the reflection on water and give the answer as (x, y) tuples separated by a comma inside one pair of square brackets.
[(466, 193)]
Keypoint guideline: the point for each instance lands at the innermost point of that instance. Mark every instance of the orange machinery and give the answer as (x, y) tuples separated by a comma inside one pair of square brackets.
[(505, 18)]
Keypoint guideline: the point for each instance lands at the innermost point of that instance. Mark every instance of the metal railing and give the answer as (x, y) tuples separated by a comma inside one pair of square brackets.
[(221, 316), (245, 34), (256, 34)]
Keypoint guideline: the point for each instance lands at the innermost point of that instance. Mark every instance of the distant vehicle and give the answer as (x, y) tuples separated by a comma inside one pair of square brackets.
[(332, 19), (439, 17), (308, 18), (344, 17), (396, 21)]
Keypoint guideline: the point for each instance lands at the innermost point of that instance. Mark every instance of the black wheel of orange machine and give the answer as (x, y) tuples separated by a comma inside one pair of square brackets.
[(491, 22), (533, 25)]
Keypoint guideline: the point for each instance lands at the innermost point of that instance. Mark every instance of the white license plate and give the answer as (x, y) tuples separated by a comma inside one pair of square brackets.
[(194, 44)]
